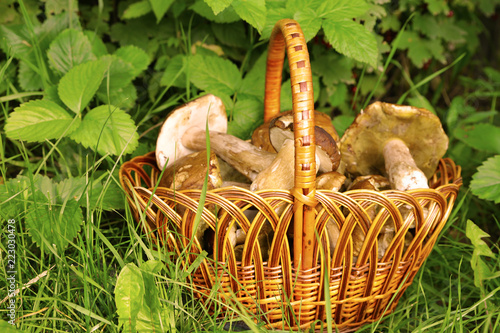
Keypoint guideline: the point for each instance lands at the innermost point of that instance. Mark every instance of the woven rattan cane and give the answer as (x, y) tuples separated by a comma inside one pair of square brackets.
[(303, 283)]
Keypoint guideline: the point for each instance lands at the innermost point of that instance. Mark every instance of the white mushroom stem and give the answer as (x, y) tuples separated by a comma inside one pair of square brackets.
[(242, 155), (401, 169)]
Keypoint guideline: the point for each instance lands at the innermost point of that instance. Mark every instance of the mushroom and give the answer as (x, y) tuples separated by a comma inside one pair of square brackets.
[(403, 142), (183, 132), (372, 183), (241, 155), (207, 109), (281, 128), (260, 136), (188, 172)]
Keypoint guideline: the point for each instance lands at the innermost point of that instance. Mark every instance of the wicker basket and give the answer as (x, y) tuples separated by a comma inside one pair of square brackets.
[(288, 291)]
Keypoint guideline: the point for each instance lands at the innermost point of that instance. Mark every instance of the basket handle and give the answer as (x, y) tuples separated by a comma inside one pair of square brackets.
[(288, 33)]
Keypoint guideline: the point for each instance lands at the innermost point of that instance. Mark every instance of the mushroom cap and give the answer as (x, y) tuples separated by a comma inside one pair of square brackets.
[(195, 113), (281, 129), (260, 138), (363, 142)]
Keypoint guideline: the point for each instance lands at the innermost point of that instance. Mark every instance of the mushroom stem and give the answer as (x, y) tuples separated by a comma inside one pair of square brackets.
[(242, 155), (401, 169)]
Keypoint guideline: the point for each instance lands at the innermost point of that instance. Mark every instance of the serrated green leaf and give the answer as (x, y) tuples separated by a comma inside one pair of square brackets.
[(486, 181), (56, 224), (134, 56), (484, 137), (247, 115), (228, 15), (481, 270), (309, 22), (120, 73), (124, 97), (253, 12), (77, 189), (437, 6), (273, 16), (342, 9), (253, 84), (352, 39), (214, 74), (174, 74), (107, 129), (79, 85), (39, 120), (16, 41), (137, 9), (333, 69), (98, 47), (160, 7), (29, 79), (231, 34), (129, 295), (218, 5), (70, 48)]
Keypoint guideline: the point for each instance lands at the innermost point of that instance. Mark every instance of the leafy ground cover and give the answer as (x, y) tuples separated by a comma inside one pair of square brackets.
[(85, 85)]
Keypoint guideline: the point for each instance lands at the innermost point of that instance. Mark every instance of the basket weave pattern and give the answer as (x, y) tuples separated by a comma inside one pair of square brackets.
[(288, 290)]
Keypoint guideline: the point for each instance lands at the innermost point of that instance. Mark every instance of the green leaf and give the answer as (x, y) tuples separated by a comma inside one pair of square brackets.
[(16, 40), (129, 295), (253, 83), (214, 74), (39, 120), (309, 22), (137, 9), (247, 115), (273, 16), (160, 7), (122, 97), (253, 12), (481, 270), (342, 9), (120, 73), (70, 48), (486, 181), (107, 129), (134, 56), (80, 84), (98, 47), (437, 6), (108, 198), (56, 224), (218, 5), (231, 34), (341, 123), (29, 79), (228, 15), (352, 39), (484, 137), (174, 74)]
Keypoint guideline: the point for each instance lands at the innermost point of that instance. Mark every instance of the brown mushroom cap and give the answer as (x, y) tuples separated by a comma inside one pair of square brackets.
[(188, 172), (281, 129), (363, 142), (260, 136), (193, 114)]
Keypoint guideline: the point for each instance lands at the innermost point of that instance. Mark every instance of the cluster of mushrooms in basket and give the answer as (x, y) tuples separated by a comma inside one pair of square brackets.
[(386, 147)]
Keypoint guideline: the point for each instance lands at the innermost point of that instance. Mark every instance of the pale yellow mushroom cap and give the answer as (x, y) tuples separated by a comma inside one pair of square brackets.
[(363, 142)]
